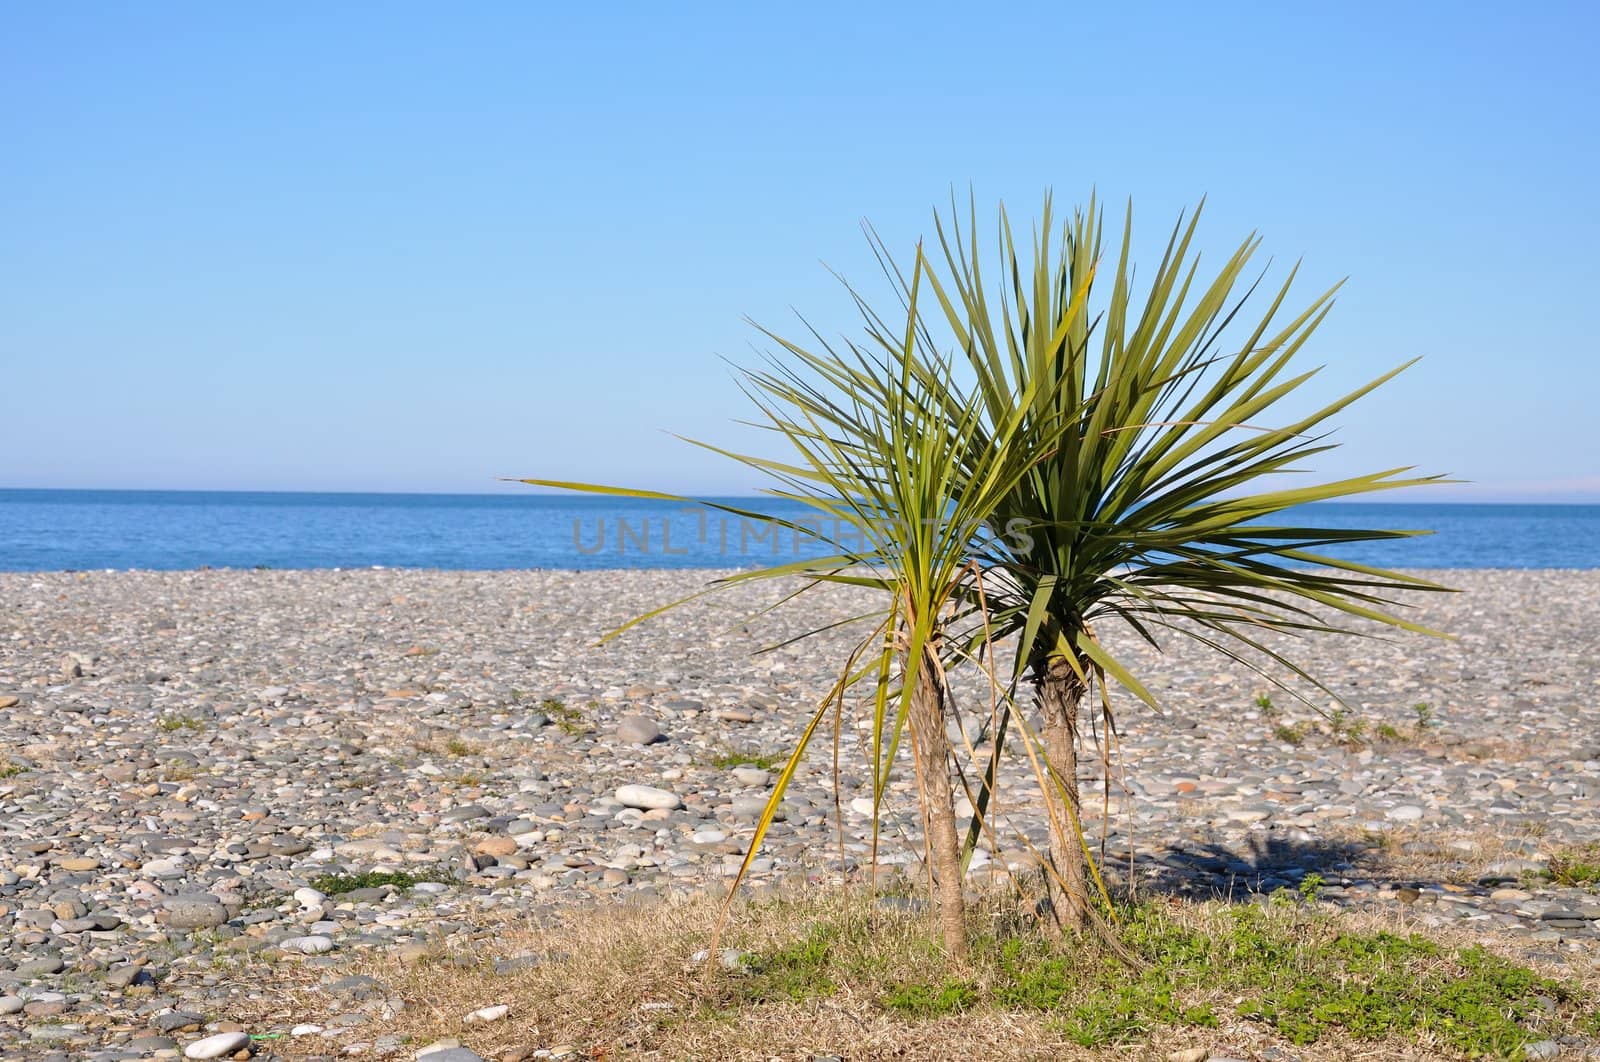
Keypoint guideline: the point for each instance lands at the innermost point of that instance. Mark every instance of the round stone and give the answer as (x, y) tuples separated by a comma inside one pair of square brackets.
[(647, 797), (308, 897), (202, 911), (41, 967), (637, 730), (218, 1046), (752, 808)]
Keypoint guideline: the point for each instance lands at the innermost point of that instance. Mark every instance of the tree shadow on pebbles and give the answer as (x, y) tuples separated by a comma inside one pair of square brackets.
[(1260, 863)]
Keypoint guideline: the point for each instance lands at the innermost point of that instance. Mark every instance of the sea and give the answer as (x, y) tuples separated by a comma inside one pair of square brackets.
[(82, 530)]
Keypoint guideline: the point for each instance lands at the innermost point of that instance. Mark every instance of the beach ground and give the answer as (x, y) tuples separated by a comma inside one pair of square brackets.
[(257, 801)]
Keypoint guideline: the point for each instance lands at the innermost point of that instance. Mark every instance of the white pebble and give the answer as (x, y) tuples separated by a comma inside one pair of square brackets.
[(316, 944), (648, 796), (305, 1029), (752, 776), (217, 1046), (494, 1013), (308, 897)]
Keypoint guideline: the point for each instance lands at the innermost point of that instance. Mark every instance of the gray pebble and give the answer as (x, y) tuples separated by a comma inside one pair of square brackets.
[(637, 730), (195, 911)]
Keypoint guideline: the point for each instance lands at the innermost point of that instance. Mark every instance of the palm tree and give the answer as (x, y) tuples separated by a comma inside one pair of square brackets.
[(880, 443), (1121, 443), (1142, 513)]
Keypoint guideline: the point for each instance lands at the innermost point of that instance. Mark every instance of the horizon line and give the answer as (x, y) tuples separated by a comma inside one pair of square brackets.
[(1453, 499)]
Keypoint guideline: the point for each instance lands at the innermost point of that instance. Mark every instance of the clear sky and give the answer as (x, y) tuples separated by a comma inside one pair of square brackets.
[(416, 247)]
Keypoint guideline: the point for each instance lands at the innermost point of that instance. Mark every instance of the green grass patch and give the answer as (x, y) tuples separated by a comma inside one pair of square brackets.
[(930, 1000), (1577, 865), (730, 759), (567, 719), (1346, 727), (1299, 972), (338, 884), (797, 971), (1291, 733), (170, 723)]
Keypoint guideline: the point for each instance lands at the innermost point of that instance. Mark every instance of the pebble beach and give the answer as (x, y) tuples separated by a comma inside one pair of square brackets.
[(198, 767)]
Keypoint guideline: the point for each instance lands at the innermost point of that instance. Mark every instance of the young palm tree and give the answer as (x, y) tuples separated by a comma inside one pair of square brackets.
[(1161, 507), (881, 443), (1123, 444)]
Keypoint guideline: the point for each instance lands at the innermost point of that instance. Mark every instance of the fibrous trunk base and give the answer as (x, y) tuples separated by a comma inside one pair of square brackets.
[(1060, 693), (932, 750)]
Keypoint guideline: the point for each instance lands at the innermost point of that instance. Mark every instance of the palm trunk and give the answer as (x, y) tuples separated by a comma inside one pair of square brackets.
[(932, 755), (1060, 692)]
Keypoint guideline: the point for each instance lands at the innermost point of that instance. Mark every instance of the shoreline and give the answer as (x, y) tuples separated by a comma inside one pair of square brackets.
[(259, 569)]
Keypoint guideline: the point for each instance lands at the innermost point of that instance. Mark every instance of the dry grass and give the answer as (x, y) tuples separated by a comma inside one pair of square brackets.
[(618, 982), (1431, 853)]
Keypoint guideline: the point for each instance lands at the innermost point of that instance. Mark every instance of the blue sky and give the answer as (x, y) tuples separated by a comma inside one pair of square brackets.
[(391, 247)]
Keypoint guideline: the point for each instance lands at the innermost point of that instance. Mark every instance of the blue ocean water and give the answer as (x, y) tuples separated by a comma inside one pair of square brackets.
[(52, 530)]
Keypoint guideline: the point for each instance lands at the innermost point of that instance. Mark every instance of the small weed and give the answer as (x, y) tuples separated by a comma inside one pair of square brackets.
[(1268, 709), (1577, 865), (470, 778), (924, 1000), (1390, 734), (1291, 733), (338, 884), (796, 972), (1311, 887), (1347, 728), (1117, 1013), (457, 747), (1386, 841), (9, 769), (568, 720), (170, 723), (730, 759)]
